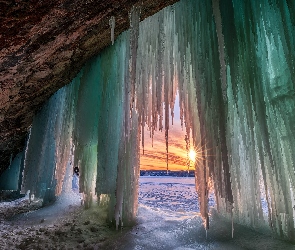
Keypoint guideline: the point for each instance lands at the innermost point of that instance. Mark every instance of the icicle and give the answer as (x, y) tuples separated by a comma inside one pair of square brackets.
[(167, 154), (186, 139), (134, 17), (218, 23), (142, 138), (112, 26), (232, 226), (10, 161)]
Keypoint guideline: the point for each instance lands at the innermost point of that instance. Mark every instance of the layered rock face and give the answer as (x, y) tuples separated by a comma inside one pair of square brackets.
[(43, 45)]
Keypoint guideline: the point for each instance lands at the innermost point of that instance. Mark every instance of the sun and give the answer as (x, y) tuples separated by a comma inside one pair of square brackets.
[(192, 155)]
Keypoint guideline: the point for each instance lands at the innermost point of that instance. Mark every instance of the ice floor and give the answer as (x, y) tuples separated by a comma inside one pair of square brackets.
[(184, 231), (168, 219)]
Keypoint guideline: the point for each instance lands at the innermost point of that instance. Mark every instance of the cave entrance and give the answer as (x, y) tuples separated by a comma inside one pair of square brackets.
[(167, 168)]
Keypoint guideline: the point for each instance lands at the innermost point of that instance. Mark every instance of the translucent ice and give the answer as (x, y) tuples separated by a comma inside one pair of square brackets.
[(232, 63)]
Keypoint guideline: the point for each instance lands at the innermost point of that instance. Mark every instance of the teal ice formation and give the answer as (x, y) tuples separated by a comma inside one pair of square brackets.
[(233, 65)]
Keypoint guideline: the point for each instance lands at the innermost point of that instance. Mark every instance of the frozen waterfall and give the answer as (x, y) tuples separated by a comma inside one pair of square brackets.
[(233, 64)]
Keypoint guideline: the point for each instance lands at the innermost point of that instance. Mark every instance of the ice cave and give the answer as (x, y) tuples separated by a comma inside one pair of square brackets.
[(232, 62)]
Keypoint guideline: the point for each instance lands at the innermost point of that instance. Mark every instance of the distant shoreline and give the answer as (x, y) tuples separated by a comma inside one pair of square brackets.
[(181, 173)]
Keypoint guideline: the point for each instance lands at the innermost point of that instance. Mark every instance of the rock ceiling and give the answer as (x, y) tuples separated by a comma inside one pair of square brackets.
[(43, 45)]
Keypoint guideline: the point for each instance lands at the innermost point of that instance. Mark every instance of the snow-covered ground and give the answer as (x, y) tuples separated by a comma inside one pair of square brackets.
[(168, 219), (63, 225)]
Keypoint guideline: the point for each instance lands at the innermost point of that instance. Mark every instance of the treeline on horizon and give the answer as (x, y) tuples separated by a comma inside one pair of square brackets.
[(180, 173)]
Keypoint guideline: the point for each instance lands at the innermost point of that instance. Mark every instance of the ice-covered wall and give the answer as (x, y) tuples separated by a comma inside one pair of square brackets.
[(89, 124), (233, 65), (11, 178), (261, 102), (233, 62)]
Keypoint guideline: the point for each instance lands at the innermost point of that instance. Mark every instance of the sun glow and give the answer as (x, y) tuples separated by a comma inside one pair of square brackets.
[(192, 155)]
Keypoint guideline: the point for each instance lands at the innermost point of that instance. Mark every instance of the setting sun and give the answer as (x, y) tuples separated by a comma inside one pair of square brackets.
[(192, 155)]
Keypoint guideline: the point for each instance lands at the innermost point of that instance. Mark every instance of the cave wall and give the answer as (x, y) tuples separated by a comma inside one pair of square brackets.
[(43, 45)]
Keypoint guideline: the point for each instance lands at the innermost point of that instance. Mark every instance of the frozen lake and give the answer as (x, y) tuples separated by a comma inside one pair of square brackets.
[(170, 193)]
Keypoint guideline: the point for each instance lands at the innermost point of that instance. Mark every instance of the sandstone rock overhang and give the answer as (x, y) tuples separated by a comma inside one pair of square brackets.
[(43, 45)]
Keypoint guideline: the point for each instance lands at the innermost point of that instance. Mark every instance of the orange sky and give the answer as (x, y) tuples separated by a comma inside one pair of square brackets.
[(154, 158)]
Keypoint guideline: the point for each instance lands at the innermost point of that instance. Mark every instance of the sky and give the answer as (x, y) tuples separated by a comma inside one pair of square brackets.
[(154, 158)]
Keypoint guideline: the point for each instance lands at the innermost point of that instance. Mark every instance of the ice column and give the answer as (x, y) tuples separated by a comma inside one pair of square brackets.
[(48, 146), (112, 23)]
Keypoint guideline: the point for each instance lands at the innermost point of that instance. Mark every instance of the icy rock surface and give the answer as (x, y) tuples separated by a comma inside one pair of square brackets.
[(232, 63)]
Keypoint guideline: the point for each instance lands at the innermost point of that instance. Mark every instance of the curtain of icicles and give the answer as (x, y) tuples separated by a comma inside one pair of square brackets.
[(233, 63), (90, 124)]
